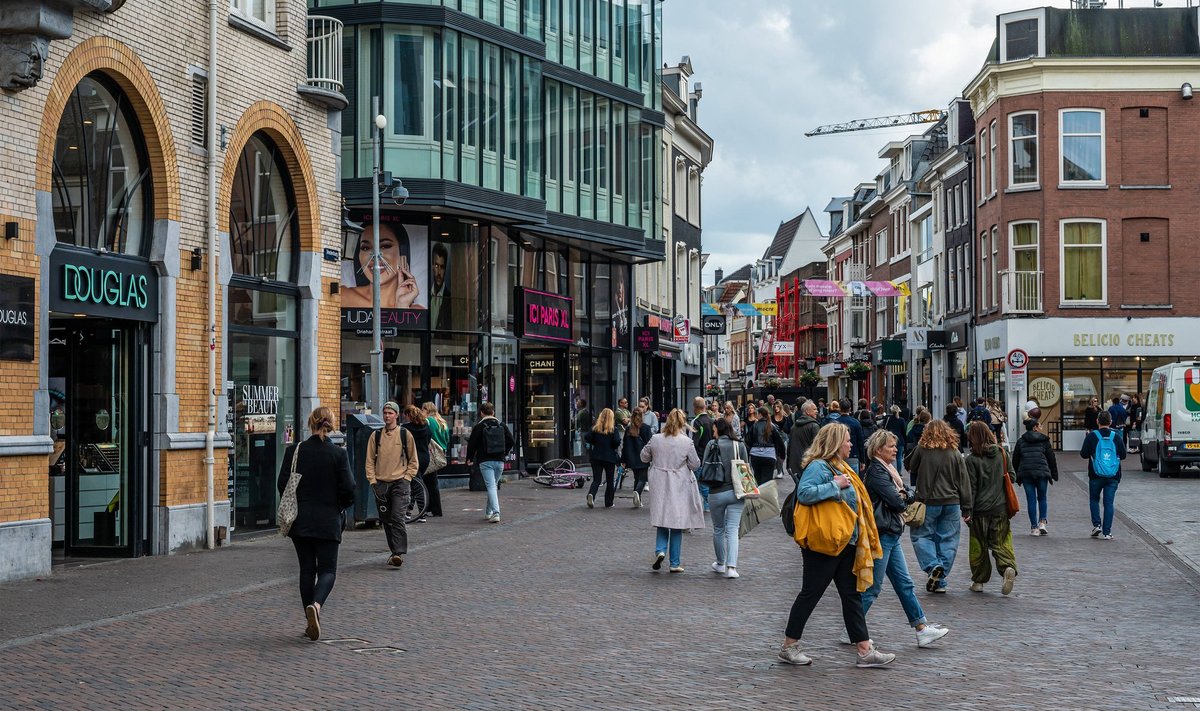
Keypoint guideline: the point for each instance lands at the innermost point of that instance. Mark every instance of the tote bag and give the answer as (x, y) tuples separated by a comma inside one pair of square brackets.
[(744, 484), (437, 457), (288, 508), (824, 527)]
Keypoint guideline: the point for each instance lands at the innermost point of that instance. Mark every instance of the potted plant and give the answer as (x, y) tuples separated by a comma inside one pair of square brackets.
[(771, 383), (714, 391), (810, 378), (858, 370)]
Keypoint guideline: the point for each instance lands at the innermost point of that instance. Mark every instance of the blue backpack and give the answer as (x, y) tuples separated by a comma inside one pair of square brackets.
[(1105, 462)]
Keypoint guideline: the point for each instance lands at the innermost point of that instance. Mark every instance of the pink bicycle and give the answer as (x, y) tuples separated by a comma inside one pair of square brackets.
[(561, 474)]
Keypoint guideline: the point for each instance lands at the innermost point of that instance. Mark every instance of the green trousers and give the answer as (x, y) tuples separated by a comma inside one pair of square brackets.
[(990, 534)]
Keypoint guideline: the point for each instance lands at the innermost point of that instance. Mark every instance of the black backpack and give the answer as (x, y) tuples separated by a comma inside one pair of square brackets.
[(978, 413), (787, 510), (494, 444)]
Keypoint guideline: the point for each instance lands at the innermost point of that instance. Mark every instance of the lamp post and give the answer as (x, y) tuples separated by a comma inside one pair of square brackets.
[(376, 330)]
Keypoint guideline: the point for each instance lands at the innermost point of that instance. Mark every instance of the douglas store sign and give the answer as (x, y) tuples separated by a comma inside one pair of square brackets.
[(546, 317), (16, 318), (108, 285)]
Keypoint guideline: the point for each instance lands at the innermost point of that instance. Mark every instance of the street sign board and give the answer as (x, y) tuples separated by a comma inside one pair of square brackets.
[(1017, 359)]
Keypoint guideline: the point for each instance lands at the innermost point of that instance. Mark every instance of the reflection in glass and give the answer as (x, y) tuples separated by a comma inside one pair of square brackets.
[(263, 227)]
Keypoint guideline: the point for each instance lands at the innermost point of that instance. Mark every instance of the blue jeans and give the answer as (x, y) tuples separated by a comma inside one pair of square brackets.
[(491, 472), (896, 567), (936, 542), (726, 519), (1107, 487), (669, 539), (703, 489), (1035, 500), (899, 463)]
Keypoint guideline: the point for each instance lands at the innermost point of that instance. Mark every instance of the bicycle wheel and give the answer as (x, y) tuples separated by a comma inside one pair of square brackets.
[(418, 503), (551, 472)]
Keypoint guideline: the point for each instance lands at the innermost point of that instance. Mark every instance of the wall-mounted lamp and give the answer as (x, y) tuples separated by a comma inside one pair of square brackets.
[(12, 230), (1185, 91), (197, 253)]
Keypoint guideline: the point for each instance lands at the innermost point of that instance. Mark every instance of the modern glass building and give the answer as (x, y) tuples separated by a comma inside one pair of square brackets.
[(529, 134)]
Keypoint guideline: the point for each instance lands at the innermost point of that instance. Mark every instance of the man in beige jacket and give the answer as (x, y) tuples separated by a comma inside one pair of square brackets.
[(391, 465)]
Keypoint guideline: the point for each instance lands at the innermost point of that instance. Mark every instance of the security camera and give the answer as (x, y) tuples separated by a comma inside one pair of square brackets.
[(399, 194)]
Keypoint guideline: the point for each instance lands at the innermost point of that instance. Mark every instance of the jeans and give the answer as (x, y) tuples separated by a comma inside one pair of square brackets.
[(894, 565), (726, 519), (491, 472), (639, 479), (703, 488), (819, 571), (764, 469), (936, 542), (318, 568), (899, 463), (396, 495), (1035, 500), (669, 540), (604, 469), (1107, 487)]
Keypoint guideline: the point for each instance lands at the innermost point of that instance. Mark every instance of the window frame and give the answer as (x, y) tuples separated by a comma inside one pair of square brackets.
[(1012, 152), (1007, 19), (1062, 263), (244, 10), (881, 255), (994, 157), (1102, 181), (983, 165), (984, 255)]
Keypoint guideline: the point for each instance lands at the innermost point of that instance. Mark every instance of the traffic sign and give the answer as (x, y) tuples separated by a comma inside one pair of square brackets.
[(1017, 359)]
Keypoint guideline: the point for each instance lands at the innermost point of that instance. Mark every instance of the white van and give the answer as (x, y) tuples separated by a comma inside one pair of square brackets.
[(1171, 433)]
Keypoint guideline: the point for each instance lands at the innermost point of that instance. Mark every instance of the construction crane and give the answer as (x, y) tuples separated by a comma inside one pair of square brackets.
[(926, 116)]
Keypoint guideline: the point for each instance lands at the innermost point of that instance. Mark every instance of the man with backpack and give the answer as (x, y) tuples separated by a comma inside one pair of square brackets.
[(489, 444), (979, 413), (391, 464), (1104, 449)]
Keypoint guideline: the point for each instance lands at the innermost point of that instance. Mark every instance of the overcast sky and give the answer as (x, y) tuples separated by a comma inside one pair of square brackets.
[(773, 69)]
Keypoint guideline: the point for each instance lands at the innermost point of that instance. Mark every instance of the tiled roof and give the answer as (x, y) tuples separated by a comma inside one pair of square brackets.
[(783, 237)]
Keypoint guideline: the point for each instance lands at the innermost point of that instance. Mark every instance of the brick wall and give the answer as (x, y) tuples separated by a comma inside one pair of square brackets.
[(24, 488)]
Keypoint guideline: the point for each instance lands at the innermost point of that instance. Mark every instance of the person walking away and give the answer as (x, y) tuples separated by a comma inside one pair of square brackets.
[(915, 432), (605, 453), (438, 432), (1104, 450), (961, 412), (894, 423), (763, 439), (890, 498), (1118, 414), (725, 507), (951, 418), (980, 412), (649, 417), (827, 476), (1033, 461), (676, 503), (702, 433), (326, 488), (782, 420), (939, 474), (636, 437), (1090, 414), (391, 465), (419, 429), (839, 412), (804, 431), (866, 419), (988, 520), (489, 443)]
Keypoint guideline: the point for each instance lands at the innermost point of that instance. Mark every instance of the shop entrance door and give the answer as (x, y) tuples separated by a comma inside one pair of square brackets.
[(97, 366), (545, 434)]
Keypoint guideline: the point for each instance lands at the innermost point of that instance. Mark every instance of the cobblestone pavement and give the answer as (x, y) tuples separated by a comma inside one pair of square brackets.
[(556, 608)]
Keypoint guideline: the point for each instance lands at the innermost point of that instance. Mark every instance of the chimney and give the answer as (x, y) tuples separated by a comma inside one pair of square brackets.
[(719, 275)]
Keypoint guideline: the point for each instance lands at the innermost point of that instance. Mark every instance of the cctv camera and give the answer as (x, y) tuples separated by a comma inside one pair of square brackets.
[(399, 194)]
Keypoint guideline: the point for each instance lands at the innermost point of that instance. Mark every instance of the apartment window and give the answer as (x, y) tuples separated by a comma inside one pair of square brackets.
[(1021, 39), (1084, 261), (1024, 239), (983, 164), (1022, 150), (993, 162), (407, 57), (995, 296), (984, 271), (964, 201), (881, 247), (259, 11), (1082, 146)]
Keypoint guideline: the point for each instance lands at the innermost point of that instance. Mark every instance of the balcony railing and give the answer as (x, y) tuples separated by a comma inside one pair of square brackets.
[(1022, 292), (325, 53)]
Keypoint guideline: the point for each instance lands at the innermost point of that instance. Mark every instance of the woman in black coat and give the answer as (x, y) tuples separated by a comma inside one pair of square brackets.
[(326, 488), (605, 441), (418, 427), (636, 436), (956, 424), (1033, 461)]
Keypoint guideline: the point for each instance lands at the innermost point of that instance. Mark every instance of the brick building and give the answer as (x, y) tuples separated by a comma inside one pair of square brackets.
[(105, 269)]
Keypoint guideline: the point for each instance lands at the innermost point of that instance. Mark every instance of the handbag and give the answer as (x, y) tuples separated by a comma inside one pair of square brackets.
[(1012, 504), (914, 514), (289, 509), (437, 457), (744, 484), (712, 471), (824, 527)]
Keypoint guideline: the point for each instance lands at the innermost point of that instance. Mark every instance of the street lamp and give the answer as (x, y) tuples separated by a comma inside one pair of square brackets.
[(376, 330)]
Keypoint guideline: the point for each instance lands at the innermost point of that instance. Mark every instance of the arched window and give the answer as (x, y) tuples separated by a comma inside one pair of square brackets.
[(263, 229), (102, 193)]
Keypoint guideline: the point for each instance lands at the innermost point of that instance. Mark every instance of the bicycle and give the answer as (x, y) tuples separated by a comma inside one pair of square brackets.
[(418, 502), (560, 474)]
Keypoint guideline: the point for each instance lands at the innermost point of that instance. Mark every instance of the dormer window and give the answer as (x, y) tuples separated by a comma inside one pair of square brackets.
[(1022, 35)]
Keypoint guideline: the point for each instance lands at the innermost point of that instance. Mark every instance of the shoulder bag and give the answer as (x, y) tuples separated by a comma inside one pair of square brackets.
[(914, 514), (437, 457), (288, 508), (1012, 504)]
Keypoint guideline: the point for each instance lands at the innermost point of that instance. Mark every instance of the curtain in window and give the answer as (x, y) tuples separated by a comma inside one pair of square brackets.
[(1082, 141), (1025, 247), (1083, 258)]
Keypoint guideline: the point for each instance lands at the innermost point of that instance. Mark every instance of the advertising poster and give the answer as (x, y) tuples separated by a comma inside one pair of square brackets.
[(403, 267)]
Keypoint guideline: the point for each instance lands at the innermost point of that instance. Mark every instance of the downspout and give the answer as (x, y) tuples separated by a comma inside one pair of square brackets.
[(211, 435)]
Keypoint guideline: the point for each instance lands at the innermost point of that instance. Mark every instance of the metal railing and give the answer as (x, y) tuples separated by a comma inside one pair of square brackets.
[(325, 53), (1022, 292)]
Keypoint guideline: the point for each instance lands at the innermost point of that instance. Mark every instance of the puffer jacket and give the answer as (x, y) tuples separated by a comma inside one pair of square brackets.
[(986, 472), (887, 501), (1033, 458)]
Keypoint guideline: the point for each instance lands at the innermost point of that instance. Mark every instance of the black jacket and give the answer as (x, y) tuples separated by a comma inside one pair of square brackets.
[(764, 433), (702, 425), (803, 433), (914, 437), (1089, 449), (326, 488), (896, 426), (631, 447), (421, 436), (475, 453), (888, 503), (606, 448), (957, 426), (1033, 458)]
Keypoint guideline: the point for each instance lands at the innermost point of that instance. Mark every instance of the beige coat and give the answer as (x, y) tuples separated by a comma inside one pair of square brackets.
[(674, 500)]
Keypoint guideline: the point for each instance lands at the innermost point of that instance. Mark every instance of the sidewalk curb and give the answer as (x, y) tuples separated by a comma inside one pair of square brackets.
[(1161, 550)]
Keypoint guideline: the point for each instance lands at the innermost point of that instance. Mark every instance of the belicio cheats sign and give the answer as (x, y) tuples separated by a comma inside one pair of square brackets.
[(109, 285), (542, 315)]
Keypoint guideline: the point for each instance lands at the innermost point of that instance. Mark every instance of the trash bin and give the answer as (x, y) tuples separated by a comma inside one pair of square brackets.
[(358, 430)]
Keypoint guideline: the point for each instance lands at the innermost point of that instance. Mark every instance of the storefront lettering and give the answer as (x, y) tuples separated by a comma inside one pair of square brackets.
[(542, 315), (549, 316), (104, 286), (8, 317), (1150, 339), (540, 364), (260, 399)]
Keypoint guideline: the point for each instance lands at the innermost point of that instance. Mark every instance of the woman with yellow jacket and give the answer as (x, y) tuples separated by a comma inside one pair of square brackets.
[(828, 477)]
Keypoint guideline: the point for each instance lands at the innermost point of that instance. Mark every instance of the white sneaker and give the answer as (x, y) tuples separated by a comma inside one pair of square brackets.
[(1035, 532), (1042, 529), (930, 634), (791, 654), (874, 658), (495, 518), (976, 587), (637, 500), (718, 568), (591, 501), (1095, 531), (1010, 576), (731, 573), (1107, 537)]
